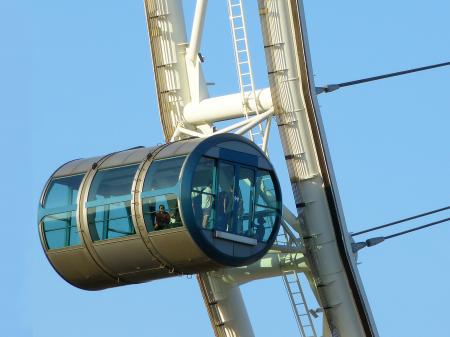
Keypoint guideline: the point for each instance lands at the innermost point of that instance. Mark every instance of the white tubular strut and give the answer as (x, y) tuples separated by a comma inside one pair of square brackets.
[(323, 230), (216, 109), (197, 30), (226, 308)]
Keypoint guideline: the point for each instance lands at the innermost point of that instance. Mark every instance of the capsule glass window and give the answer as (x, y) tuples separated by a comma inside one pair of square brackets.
[(204, 193), (266, 206), (58, 212), (233, 198), (160, 194), (245, 196), (108, 205)]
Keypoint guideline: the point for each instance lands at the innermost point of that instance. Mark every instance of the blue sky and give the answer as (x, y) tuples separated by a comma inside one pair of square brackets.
[(76, 81)]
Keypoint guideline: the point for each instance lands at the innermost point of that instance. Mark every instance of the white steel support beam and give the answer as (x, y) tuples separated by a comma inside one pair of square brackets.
[(179, 80), (226, 107), (327, 244), (197, 30), (266, 135), (225, 306), (167, 35), (255, 121), (197, 84)]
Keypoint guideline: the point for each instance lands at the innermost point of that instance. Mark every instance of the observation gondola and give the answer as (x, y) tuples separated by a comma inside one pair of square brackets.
[(148, 213)]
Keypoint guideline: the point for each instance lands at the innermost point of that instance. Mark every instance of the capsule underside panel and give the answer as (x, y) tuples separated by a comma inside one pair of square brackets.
[(115, 254), (75, 265), (186, 258)]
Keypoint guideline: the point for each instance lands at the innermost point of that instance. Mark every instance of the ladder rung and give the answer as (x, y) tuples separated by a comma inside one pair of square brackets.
[(242, 50)]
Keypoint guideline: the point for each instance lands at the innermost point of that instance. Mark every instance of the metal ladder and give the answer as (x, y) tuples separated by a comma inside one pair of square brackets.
[(295, 292), (244, 66), (299, 305)]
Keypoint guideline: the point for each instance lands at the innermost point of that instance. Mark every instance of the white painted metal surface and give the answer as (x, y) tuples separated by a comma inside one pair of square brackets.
[(226, 107), (333, 268)]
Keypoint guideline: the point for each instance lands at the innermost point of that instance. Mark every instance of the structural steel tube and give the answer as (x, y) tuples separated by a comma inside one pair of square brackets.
[(226, 107), (324, 232), (197, 30)]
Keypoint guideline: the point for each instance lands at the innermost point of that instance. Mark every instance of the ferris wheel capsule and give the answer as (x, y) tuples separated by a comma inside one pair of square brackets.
[(149, 213)]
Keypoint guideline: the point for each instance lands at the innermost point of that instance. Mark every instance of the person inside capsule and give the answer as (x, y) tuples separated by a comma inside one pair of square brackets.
[(162, 218)]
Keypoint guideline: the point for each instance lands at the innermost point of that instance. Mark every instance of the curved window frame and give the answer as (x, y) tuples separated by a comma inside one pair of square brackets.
[(66, 213)]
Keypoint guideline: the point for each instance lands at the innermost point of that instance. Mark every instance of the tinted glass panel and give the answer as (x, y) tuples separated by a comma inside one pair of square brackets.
[(225, 198), (203, 192), (264, 220), (110, 221), (109, 213), (63, 192), (113, 182), (266, 206), (159, 195), (265, 190), (60, 230), (231, 197), (163, 174), (161, 212), (245, 201), (59, 223)]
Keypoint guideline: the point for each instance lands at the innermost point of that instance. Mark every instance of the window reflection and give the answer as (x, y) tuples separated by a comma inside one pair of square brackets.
[(161, 212), (245, 201), (265, 190), (109, 213), (203, 193), (163, 174), (59, 223), (60, 230), (159, 195), (63, 192), (233, 198), (266, 206)]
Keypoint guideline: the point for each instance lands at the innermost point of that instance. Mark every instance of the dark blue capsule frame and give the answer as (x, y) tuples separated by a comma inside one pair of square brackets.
[(234, 157)]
